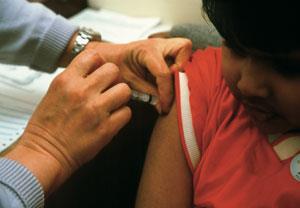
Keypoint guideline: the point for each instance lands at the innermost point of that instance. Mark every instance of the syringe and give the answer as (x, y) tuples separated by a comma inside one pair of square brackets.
[(144, 97)]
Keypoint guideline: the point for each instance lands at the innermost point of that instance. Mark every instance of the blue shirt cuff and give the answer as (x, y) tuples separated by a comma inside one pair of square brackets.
[(53, 44), (22, 182)]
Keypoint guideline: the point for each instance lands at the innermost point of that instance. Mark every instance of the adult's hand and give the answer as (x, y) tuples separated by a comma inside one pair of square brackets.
[(143, 64), (82, 110)]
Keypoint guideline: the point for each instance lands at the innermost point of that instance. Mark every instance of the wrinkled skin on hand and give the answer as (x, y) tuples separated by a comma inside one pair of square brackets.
[(81, 112), (143, 64)]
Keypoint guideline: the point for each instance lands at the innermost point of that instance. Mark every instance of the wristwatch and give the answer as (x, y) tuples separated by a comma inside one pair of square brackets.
[(84, 36)]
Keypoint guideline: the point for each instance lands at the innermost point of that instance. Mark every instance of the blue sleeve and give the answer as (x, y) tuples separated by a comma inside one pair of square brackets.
[(9, 199), (18, 186), (32, 35)]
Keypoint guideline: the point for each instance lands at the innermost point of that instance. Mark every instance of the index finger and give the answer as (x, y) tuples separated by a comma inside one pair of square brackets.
[(181, 54), (85, 63)]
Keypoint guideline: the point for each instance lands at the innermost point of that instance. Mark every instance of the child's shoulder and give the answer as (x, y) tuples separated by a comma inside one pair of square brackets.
[(204, 68), (205, 61), (209, 52)]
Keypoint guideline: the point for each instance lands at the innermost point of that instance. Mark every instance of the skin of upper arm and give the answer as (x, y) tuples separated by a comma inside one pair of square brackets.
[(166, 180)]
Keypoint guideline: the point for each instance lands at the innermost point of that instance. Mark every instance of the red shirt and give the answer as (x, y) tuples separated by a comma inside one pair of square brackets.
[(238, 166)]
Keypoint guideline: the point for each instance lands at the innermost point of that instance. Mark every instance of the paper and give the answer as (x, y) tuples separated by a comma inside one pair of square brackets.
[(115, 27), (21, 89)]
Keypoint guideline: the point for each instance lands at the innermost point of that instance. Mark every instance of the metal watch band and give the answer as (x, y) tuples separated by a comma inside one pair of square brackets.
[(84, 36)]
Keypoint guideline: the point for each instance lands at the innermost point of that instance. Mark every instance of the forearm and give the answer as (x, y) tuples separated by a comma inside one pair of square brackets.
[(31, 34)]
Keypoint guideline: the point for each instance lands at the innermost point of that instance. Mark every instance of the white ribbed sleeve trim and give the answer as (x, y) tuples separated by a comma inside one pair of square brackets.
[(22, 182), (187, 123)]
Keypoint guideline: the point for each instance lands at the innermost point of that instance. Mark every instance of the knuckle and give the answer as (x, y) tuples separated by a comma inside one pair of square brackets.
[(105, 130), (187, 42), (111, 69), (87, 59), (91, 110), (88, 55), (92, 54), (144, 52), (127, 112), (59, 82), (76, 96), (69, 91), (165, 74), (125, 89), (183, 42), (94, 114), (129, 77), (151, 42)]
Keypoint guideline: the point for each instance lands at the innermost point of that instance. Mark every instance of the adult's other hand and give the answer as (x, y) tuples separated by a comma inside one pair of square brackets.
[(143, 64)]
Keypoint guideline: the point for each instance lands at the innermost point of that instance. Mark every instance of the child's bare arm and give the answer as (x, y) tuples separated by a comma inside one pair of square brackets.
[(166, 180)]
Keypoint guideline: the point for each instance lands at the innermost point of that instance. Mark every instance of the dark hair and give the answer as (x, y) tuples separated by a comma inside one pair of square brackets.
[(267, 26)]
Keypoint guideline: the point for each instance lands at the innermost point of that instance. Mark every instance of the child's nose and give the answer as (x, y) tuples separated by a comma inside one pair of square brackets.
[(253, 86)]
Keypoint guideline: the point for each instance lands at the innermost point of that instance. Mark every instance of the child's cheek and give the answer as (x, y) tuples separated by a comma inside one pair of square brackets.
[(230, 72)]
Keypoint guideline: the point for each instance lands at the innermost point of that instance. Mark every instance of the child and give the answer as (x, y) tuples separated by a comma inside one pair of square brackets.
[(231, 139)]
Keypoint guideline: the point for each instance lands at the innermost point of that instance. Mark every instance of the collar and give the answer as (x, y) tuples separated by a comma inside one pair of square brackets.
[(285, 145)]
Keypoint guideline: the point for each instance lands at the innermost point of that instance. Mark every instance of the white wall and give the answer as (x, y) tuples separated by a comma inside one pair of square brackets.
[(171, 11)]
